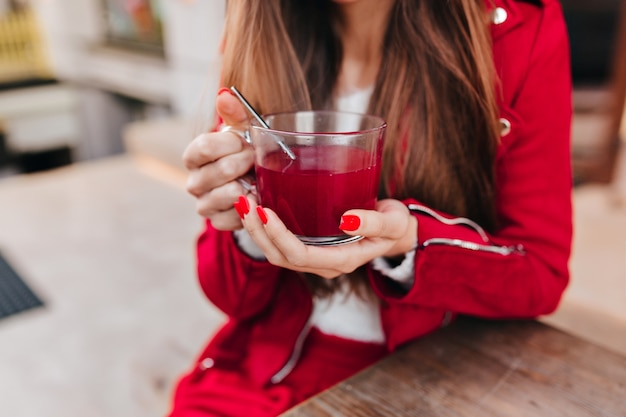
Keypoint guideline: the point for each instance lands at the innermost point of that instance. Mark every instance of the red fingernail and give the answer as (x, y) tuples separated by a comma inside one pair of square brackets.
[(349, 223), (244, 205), (262, 214), (224, 90), (238, 210)]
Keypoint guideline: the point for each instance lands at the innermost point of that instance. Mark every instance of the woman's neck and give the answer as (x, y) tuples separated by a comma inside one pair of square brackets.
[(362, 31)]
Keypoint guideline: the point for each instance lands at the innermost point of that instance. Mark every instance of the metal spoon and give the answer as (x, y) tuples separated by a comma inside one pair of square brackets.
[(262, 122)]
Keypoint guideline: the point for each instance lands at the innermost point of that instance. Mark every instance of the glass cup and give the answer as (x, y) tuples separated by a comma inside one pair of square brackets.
[(336, 168)]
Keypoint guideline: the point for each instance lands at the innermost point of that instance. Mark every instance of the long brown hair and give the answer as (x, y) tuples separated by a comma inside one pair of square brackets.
[(435, 88)]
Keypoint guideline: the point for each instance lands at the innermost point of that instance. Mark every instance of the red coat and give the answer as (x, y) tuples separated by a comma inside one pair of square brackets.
[(521, 273)]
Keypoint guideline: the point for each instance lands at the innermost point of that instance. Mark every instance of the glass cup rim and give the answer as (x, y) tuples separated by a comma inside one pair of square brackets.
[(380, 123)]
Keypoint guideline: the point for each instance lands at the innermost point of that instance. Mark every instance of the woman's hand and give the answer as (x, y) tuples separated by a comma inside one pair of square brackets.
[(215, 161), (390, 230)]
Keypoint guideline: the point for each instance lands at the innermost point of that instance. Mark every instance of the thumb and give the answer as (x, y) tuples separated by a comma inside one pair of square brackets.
[(390, 221), (230, 109)]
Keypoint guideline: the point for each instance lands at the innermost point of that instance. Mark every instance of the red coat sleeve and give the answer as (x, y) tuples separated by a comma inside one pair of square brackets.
[(237, 284), (522, 269)]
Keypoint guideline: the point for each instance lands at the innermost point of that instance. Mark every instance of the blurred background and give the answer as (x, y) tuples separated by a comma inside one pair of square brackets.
[(99, 307)]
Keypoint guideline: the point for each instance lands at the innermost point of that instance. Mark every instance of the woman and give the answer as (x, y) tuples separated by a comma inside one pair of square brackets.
[(475, 216)]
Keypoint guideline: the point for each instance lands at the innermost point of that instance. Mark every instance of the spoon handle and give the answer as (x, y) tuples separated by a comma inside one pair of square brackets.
[(262, 122), (248, 106)]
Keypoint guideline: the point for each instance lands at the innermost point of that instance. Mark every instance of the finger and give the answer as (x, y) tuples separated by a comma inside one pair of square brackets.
[(231, 110), (226, 169), (326, 262), (256, 229), (219, 199), (209, 147), (286, 251), (295, 253), (390, 221), (226, 220)]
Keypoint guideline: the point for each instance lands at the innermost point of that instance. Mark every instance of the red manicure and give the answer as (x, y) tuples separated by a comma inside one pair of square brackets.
[(349, 223), (244, 205), (262, 214), (238, 210), (224, 90)]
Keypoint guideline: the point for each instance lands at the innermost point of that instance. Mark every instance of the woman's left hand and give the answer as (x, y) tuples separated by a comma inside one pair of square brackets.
[(390, 230)]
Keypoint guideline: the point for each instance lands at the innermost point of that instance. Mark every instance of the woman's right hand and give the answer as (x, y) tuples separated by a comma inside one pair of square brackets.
[(215, 161)]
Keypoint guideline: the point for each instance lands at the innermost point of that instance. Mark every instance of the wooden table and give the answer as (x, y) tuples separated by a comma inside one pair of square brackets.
[(484, 368)]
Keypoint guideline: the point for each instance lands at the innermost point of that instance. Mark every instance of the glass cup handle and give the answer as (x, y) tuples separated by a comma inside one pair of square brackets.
[(244, 135), (248, 182)]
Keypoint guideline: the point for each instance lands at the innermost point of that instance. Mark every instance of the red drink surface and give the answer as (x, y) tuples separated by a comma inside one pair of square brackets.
[(308, 196)]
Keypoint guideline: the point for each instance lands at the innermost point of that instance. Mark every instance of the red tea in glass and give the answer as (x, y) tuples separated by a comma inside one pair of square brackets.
[(336, 168)]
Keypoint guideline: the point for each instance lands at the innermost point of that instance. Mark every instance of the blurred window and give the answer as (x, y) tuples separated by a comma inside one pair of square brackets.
[(134, 24), (22, 51)]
